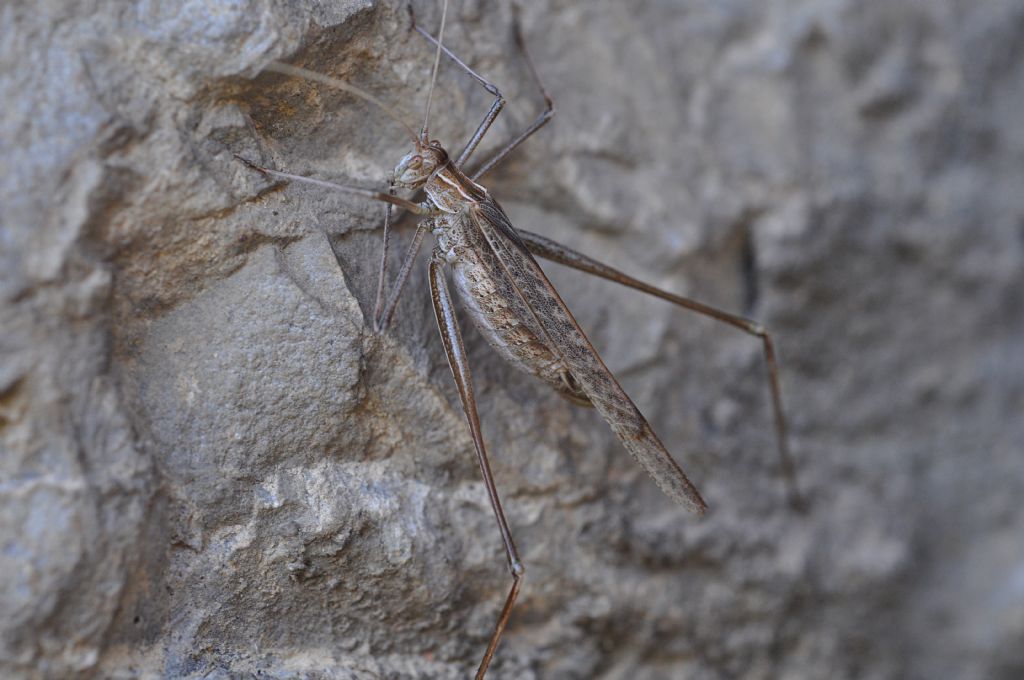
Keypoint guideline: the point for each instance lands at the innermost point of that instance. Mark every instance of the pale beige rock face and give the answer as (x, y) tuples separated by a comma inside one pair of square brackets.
[(211, 468)]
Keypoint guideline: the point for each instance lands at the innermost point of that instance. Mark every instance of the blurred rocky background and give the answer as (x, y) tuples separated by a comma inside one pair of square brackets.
[(210, 467)]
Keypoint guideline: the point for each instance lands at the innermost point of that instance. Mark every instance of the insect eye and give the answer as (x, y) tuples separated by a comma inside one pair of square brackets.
[(416, 161)]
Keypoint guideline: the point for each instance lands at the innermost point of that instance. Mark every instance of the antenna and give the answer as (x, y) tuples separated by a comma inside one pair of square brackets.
[(433, 74), (288, 69)]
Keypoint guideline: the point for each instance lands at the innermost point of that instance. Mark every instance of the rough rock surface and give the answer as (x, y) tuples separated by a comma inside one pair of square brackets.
[(210, 468)]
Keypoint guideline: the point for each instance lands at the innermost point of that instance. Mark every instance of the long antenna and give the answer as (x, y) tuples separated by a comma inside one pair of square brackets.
[(433, 74), (288, 69)]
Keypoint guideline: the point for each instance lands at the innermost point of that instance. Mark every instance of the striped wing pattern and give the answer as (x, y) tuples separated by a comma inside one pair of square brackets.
[(567, 339)]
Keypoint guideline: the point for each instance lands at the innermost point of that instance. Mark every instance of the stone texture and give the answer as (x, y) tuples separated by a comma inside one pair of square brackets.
[(211, 468)]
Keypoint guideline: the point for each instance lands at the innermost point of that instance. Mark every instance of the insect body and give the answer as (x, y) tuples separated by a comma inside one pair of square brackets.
[(512, 302), (520, 313), (499, 313)]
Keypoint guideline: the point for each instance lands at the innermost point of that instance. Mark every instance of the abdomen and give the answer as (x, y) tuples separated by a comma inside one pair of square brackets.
[(500, 314)]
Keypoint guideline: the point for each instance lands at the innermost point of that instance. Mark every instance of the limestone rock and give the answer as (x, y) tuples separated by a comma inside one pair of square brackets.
[(210, 467)]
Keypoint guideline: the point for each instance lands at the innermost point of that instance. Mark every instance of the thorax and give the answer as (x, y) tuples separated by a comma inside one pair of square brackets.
[(452, 191)]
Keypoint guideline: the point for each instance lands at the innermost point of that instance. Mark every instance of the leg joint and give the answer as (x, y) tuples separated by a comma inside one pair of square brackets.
[(517, 569)]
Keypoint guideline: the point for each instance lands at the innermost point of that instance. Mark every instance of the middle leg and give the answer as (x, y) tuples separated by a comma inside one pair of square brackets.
[(382, 311)]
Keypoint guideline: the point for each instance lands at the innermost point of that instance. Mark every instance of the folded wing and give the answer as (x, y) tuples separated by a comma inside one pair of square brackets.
[(567, 339)]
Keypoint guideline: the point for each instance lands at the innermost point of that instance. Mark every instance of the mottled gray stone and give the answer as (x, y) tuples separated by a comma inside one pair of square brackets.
[(211, 468)]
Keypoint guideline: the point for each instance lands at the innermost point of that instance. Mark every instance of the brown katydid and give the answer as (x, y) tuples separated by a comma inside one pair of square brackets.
[(510, 300)]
